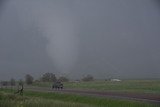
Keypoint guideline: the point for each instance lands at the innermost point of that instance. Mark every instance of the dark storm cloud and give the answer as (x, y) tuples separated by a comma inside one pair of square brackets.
[(22, 46), (2, 3), (124, 34), (106, 38)]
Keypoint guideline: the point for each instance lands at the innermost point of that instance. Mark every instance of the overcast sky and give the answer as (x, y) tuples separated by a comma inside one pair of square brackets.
[(105, 38)]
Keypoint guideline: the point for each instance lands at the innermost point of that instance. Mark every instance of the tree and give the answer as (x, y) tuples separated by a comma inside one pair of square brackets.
[(49, 77), (12, 82), (63, 79), (88, 78), (29, 79)]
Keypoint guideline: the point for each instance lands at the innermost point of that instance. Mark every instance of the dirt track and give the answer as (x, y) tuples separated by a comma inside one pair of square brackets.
[(152, 98)]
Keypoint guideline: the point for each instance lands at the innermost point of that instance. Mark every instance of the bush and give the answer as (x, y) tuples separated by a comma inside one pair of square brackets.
[(49, 77)]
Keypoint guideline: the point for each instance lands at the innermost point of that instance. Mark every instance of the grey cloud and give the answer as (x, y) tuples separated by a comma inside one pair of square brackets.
[(106, 38)]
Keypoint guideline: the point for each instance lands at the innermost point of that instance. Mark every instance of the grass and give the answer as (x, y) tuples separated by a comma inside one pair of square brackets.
[(143, 86), (10, 100), (99, 102), (44, 99)]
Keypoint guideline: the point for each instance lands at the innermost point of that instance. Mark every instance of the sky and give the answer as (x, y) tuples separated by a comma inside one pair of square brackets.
[(104, 38)]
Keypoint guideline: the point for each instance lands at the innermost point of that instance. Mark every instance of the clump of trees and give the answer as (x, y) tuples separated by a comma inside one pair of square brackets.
[(48, 77), (88, 78)]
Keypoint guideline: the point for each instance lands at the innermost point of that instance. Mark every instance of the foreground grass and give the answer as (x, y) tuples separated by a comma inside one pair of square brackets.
[(69, 100), (10, 100), (145, 86)]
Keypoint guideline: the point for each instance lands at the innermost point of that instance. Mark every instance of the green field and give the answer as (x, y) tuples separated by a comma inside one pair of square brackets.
[(142, 86), (45, 99)]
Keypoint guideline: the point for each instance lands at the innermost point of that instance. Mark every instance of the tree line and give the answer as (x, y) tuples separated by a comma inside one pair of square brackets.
[(46, 77)]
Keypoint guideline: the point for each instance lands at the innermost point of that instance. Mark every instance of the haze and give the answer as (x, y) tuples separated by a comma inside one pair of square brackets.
[(104, 38)]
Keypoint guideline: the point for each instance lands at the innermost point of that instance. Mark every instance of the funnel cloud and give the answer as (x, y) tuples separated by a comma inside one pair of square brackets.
[(106, 38)]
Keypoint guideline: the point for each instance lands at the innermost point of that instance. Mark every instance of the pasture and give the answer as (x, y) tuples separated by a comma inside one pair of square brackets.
[(45, 99), (54, 99), (142, 86)]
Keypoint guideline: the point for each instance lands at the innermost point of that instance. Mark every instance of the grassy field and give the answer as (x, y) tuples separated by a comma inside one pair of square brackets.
[(145, 86), (10, 100), (44, 99)]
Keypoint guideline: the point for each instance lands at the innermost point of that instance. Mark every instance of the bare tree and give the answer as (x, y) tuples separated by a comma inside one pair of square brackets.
[(20, 88)]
